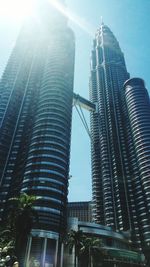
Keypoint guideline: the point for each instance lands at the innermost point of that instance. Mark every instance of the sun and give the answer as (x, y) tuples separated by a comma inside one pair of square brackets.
[(15, 9)]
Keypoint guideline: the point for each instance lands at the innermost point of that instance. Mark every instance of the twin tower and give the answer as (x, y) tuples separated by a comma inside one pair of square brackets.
[(120, 142), (36, 94)]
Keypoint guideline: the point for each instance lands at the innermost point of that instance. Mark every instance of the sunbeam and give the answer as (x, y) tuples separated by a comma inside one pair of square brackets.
[(73, 17)]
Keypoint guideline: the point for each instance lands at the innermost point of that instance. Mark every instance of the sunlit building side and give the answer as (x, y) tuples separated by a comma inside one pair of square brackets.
[(120, 142), (36, 92), (110, 177)]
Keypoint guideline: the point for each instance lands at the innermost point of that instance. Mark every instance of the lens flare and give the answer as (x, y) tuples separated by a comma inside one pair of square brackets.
[(15, 9), (20, 9), (81, 22)]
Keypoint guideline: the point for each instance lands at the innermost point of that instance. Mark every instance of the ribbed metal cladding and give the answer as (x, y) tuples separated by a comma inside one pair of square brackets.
[(47, 168), (18, 105), (138, 103), (113, 202), (36, 112)]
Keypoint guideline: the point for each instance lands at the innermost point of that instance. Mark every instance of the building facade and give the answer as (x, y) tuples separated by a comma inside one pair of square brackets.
[(119, 252), (36, 93), (138, 104), (81, 210), (108, 74), (120, 142)]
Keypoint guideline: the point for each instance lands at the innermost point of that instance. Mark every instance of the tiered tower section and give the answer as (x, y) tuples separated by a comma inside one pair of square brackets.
[(138, 104), (120, 146), (36, 93), (109, 171)]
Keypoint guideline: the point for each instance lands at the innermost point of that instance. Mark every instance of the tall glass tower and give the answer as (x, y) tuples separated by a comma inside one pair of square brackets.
[(120, 133), (108, 74), (138, 105), (36, 92)]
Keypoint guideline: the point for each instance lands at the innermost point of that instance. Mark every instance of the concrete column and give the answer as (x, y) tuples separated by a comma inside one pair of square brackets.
[(28, 250), (56, 253), (62, 255), (44, 252)]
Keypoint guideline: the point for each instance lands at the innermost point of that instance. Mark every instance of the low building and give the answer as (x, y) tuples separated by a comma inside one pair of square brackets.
[(81, 210), (118, 246)]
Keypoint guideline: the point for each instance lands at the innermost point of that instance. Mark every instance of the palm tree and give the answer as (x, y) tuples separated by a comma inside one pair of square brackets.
[(21, 215), (74, 240), (19, 206), (92, 251), (7, 247), (6, 237)]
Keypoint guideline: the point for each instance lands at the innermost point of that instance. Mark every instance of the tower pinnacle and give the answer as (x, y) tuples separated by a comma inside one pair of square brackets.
[(102, 23)]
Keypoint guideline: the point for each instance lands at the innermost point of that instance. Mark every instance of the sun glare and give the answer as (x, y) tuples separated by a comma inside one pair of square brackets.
[(15, 9), (73, 17)]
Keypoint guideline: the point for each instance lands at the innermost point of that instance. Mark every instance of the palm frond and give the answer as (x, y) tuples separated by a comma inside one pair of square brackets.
[(4, 233)]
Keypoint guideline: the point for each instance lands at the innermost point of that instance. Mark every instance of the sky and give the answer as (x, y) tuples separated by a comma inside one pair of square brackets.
[(130, 22)]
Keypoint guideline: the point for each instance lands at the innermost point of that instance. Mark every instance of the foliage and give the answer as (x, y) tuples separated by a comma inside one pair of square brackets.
[(74, 240), (88, 250), (6, 238), (7, 247), (92, 249), (18, 223), (21, 210), (34, 262)]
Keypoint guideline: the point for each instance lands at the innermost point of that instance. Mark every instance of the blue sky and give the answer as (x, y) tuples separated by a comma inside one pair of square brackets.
[(130, 22)]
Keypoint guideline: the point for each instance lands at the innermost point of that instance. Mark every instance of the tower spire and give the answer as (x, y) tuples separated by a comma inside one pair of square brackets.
[(102, 23)]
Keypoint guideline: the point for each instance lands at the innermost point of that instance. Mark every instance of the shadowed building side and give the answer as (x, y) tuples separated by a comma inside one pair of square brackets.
[(81, 210), (138, 104)]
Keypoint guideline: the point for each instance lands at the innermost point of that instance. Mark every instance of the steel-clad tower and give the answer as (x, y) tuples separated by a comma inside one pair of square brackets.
[(120, 142), (108, 74), (36, 92), (138, 105)]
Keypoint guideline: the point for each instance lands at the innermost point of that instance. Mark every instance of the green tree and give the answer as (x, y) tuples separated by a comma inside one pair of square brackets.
[(7, 246), (16, 226), (21, 215), (6, 238), (74, 241), (92, 251)]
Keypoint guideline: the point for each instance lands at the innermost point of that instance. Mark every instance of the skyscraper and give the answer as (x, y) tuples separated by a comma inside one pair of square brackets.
[(108, 74), (120, 138), (36, 92), (138, 105)]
